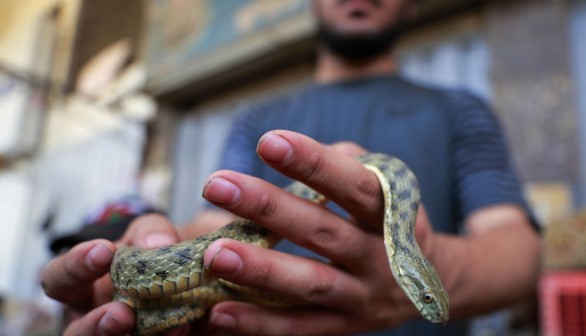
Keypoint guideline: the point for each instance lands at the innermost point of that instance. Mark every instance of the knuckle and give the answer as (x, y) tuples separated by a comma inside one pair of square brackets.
[(312, 167), (321, 289), (322, 237), (48, 288), (73, 272), (263, 276), (348, 148), (326, 234), (367, 193), (69, 273), (266, 206)]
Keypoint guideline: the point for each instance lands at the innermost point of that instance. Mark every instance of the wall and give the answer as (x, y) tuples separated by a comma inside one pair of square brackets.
[(534, 96), (20, 54), (86, 153), (577, 33), (18, 24)]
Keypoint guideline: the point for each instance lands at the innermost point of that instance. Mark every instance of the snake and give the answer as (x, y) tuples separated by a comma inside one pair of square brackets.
[(169, 286)]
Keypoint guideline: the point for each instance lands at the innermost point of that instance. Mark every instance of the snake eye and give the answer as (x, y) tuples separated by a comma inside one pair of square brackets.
[(428, 297)]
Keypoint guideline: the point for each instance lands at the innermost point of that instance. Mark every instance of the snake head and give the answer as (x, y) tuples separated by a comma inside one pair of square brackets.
[(434, 305), (426, 292)]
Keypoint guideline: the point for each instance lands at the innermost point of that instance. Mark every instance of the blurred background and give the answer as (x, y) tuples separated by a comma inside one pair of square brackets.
[(113, 108)]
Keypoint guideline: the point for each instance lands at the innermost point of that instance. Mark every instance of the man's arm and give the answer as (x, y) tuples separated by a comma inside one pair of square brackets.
[(495, 265), (499, 255)]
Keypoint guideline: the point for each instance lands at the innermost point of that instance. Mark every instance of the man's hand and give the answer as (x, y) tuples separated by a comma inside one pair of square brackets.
[(80, 280), (356, 292)]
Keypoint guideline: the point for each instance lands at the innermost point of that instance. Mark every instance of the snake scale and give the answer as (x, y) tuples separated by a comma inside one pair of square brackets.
[(169, 287)]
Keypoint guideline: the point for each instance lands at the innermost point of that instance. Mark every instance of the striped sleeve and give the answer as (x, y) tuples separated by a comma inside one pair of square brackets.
[(239, 152), (481, 165)]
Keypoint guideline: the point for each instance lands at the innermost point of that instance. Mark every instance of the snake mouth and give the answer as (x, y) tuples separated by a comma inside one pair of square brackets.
[(437, 312), (437, 318)]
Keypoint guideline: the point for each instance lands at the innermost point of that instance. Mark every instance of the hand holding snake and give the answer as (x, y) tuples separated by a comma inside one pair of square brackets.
[(170, 287), (349, 295)]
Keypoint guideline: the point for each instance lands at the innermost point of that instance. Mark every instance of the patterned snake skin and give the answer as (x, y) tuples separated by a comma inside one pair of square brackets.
[(169, 287)]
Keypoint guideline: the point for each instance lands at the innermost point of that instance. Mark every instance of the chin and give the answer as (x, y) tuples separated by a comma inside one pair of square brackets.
[(359, 30)]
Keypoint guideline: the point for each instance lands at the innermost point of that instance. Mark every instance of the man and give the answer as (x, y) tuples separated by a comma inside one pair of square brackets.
[(449, 139)]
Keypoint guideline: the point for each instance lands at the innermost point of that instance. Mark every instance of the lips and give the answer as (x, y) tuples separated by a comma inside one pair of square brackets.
[(359, 7), (370, 4)]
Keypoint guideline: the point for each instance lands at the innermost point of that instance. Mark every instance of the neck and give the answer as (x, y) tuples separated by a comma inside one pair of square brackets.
[(331, 68)]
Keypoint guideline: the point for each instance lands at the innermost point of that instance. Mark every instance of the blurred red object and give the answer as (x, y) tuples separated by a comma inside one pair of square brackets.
[(563, 303)]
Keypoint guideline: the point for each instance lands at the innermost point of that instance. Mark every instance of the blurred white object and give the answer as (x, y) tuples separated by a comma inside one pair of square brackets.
[(103, 68), (15, 206), (129, 81), (138, 107), (21, 110)]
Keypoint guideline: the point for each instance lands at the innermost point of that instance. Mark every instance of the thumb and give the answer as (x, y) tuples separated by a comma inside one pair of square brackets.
[(150, 231)]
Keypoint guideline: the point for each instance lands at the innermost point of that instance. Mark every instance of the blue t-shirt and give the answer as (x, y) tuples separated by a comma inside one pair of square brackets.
[(450, 139)]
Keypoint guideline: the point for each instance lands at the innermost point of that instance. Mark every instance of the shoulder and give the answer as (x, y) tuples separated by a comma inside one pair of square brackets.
[(454, 98), (461, 107)]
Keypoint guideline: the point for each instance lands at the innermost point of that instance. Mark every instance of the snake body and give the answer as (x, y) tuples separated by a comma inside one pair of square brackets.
[(169, 287)]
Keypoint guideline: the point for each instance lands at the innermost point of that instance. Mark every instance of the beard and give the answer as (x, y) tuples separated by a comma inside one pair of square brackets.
[(359, 48)]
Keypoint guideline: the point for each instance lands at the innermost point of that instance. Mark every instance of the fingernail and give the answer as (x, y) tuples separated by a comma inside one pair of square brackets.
[(99, 256), (159, 239), (110, 325), (274, 147), (220, 190), (222, 260), (223, 320)]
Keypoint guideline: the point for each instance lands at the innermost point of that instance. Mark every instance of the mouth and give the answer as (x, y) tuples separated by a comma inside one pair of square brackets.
[(359, 8)]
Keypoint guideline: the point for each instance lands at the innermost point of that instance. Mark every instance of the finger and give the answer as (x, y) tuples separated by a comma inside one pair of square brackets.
[(424, 232), (321, 230), (249, 319), (70, 278), (114, 318), (150, 231), (338, 177), (312, 282), (348, 148)]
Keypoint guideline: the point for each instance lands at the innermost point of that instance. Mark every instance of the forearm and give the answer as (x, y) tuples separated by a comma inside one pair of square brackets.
[(488, 270), (205, 222)]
